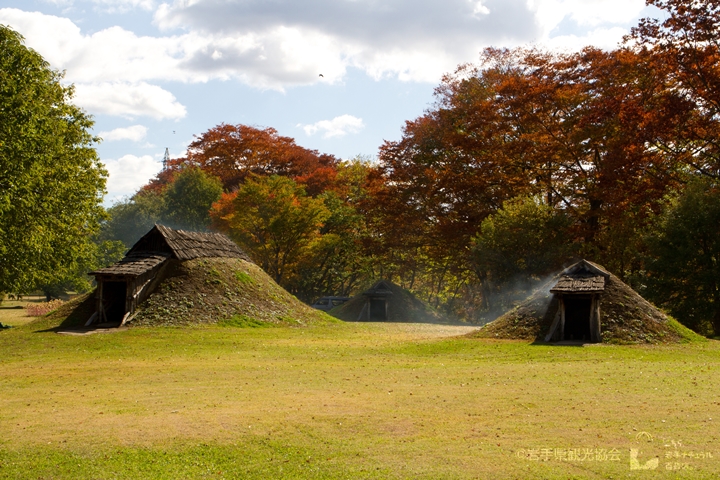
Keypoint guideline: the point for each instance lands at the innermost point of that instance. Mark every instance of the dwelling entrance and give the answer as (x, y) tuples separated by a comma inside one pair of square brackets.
[(577, 317), (378, 310), (114, 294)]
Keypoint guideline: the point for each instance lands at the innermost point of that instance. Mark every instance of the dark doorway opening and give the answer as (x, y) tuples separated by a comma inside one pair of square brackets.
[(377, 309), (577, 318), (114, 294)]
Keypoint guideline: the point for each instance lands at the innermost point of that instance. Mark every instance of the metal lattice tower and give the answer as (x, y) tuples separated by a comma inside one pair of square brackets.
[(166, 159)]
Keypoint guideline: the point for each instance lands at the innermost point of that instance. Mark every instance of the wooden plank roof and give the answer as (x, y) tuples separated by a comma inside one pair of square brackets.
[(577, 284), (582, 277), (132, 266), (184, 245)]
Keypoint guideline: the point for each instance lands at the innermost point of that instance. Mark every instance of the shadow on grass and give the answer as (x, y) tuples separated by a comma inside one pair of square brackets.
[(564, 343), (70, 316)]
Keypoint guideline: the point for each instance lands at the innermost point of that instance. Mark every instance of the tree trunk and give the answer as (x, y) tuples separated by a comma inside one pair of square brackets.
[(593, 219)]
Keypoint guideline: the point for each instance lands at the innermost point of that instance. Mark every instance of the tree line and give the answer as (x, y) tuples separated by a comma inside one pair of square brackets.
[(526, 161)]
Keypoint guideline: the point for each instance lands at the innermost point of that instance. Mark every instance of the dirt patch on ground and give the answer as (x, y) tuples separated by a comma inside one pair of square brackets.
[(626, 317), (231, 290)]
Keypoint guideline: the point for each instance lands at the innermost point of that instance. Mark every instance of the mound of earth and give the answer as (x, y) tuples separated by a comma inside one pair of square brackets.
[(402, 306), (626, 318), (211, 290), (232, 291)]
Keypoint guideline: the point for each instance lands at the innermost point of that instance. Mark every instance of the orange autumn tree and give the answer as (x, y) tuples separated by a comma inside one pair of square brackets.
[(587, 125), (580, 130), (686, 48), (273, 220), (235, 152)]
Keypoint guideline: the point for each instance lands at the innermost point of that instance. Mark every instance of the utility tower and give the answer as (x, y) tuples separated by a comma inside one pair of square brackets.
[(166, 159)]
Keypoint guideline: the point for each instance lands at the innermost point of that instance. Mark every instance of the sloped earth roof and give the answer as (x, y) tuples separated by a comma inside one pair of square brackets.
[(212, 290), (403, 306), (626, 317), (229, 291)]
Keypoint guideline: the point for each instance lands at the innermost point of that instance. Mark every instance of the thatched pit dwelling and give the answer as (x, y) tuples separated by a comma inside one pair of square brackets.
[(585, 303), (123, 286), (578, 292), (387, 302)]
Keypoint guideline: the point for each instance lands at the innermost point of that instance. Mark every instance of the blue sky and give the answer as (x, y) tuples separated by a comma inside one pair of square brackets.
[(154, 73)]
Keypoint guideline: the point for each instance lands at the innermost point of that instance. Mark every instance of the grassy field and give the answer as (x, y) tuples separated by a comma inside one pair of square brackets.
[(351, 401)]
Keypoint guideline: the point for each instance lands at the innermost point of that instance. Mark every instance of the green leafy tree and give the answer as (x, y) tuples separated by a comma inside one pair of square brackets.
[(185, 203), (51, 181), (274, 220), (189, 197), (130, 219), (76, 278), (684, 269), (523, 241)]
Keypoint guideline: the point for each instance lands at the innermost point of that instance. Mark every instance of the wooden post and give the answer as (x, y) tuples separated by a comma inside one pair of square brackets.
[(554, 326), (562, 317), (593, 299), (99, 301), (596, 332), (130, 287), (359, 319)]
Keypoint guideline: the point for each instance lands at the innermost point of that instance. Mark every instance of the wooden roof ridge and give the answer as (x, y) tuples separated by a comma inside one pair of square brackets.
[(381, 287), (585, 267), (187, 245), (582, 277)]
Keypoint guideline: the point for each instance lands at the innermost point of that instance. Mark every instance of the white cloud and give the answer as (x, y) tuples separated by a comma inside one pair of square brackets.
[(113, 6), (337, 127), (292, 42), (129, 100), (590, 13), (600, 37), (134, 133), (284, 43), (128, 173)]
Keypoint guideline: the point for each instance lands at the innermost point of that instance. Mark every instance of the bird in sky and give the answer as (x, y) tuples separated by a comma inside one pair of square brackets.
[(322, 75)]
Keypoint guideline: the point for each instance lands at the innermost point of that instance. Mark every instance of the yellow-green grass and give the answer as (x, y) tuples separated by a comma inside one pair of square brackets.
[(349, 401), (13, 313)]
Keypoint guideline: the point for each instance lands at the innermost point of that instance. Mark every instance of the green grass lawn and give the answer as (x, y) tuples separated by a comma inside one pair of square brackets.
[(351, 401)]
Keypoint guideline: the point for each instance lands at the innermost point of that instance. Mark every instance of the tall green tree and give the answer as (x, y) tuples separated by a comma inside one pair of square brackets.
[(517, 245), (51, 180), (189, 197), (184, 203), (130, 219), (684, 269)]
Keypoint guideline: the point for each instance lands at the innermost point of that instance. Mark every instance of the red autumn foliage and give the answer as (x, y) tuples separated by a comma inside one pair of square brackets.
[(233, 152)]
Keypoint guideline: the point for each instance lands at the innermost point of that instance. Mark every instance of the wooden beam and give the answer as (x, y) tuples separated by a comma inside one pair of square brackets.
[(554, 326), (595, 332), (99, 309), (359, 319), (561, 307)]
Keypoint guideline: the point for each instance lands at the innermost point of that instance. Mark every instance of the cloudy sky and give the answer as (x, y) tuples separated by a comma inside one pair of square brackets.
[(339, 76)]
